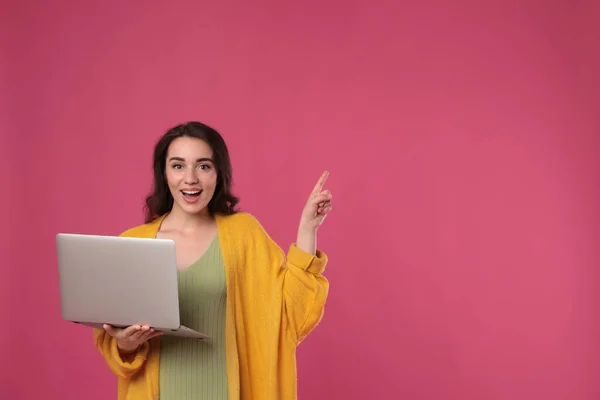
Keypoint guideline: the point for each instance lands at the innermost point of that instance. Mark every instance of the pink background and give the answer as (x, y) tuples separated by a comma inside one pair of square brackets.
[(462, 140)]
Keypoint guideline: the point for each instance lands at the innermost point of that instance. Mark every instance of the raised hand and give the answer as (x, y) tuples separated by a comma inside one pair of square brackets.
[(317, 207), (132, 337)]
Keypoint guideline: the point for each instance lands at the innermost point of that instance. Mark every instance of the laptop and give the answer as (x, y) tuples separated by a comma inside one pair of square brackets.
[(120, 281)]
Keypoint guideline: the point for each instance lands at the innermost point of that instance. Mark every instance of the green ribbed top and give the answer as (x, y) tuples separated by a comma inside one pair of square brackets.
[(191, 368)]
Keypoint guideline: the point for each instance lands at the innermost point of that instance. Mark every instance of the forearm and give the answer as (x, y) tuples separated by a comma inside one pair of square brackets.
[(307, 240)]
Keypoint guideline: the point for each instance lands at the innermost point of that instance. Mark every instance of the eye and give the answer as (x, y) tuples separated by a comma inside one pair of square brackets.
[(205, 167), (177, 166)]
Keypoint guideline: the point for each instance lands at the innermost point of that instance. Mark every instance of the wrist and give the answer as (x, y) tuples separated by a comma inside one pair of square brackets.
[(306, 229), (126, 350), (307, 240)]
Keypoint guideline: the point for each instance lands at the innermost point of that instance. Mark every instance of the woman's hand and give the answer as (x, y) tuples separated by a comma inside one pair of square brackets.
[(132, 337), (316, 209), (317, 206)]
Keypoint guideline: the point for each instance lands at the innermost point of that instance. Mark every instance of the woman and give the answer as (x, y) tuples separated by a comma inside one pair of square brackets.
[(235, 284)]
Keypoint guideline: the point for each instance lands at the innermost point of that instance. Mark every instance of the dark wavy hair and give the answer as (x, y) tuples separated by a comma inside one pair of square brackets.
[(160, 201)]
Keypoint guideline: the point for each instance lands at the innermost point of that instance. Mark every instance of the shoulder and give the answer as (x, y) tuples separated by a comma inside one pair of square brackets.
[(135, 231), (241, 222), (245, 227), (143, 230), (246, 234)]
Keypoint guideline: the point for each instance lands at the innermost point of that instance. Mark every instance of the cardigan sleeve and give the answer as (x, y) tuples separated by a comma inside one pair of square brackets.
[(305, 290), (125, 367), (297, 277)]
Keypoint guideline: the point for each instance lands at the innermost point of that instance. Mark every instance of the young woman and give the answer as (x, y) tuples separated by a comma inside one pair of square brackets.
[(235, 284)]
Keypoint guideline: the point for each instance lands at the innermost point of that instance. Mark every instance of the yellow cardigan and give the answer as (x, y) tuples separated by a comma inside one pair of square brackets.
[(273, 303)]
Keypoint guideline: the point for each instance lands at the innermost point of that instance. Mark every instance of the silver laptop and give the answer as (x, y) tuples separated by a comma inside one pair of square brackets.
[(120, 281)]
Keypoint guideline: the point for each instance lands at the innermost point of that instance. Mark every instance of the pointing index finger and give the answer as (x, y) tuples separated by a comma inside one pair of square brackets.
[(319, 186)]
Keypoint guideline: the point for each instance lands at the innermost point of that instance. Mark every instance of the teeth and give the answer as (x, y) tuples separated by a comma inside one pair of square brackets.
[(191, 192)]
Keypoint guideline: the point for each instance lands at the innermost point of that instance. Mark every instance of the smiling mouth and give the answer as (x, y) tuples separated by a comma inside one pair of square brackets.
[(191, 193)]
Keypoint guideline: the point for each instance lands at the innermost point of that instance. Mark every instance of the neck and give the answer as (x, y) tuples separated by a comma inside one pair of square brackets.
[(181, 221)]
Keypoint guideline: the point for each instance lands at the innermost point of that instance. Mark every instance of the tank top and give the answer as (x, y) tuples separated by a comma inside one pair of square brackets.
[(191, 368)]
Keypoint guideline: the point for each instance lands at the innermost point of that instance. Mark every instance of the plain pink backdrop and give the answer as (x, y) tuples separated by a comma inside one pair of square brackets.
[(462, 139)]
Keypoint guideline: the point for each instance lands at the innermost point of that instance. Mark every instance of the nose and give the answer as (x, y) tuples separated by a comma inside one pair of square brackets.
[(190, 177)]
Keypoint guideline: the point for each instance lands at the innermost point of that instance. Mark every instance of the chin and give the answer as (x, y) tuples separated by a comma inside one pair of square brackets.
[(194, 208)]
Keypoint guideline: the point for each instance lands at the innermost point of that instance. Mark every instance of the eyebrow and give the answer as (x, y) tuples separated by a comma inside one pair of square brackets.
[(197, 160)]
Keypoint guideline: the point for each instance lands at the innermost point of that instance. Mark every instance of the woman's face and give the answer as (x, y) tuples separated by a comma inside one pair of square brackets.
[(191, 174)]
